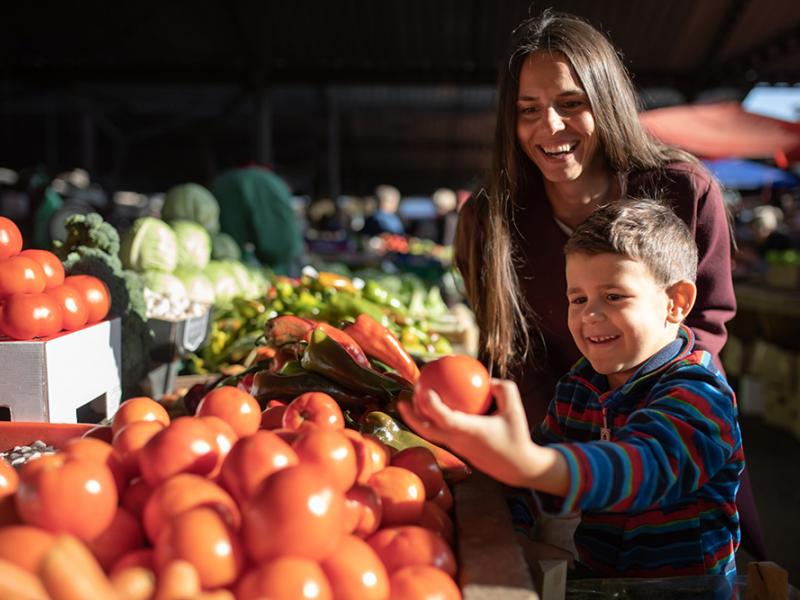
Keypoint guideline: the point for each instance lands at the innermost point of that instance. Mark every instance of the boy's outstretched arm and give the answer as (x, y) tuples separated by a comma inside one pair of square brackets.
[(499, 444)]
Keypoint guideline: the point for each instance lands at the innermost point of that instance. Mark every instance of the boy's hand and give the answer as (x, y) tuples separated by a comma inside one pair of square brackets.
[(498, 444)]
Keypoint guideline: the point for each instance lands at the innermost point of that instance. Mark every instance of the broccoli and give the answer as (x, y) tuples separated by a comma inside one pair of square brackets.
[(92, 248), (88, 231)]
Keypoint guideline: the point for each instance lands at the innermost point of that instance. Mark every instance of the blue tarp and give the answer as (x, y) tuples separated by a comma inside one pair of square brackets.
[(739, 174)]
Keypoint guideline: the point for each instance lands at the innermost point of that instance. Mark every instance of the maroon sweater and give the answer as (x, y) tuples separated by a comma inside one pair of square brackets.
[(695, 197)]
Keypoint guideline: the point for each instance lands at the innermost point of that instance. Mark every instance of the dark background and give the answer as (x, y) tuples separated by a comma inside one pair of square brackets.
[(338, 95)]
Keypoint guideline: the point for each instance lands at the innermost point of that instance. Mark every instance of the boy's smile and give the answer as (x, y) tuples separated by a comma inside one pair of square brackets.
[(619, 315)]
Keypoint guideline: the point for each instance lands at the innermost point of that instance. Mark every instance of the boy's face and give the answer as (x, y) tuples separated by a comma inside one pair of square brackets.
[(619, 315)]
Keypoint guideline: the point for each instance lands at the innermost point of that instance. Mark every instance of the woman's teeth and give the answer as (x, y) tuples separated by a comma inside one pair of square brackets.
[(556, 150)]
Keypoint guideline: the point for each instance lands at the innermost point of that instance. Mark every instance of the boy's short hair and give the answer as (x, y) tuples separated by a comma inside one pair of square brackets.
[(641, 229)]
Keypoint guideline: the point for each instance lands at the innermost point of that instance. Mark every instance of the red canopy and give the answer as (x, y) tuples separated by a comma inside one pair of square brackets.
[(724, 130)]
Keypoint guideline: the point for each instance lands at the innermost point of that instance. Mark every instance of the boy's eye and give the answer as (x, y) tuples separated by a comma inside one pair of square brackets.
[(614, 297), (577, 300)]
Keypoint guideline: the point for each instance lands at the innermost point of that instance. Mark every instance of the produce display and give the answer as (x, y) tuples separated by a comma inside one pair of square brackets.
[(36, 300), (403, 304), (235, 503)]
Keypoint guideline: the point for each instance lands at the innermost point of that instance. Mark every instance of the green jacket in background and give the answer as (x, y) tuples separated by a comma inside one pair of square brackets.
[(255, 207)]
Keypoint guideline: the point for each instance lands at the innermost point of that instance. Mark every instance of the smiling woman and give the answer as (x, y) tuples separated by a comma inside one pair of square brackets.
[(567, 141)]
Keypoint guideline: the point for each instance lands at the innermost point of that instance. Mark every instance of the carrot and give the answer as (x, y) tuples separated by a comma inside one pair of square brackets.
[(134, 583), (18, 584), (178, 580), (70, 572)]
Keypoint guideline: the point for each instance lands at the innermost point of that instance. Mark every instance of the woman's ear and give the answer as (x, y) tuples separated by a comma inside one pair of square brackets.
[(681, 300)]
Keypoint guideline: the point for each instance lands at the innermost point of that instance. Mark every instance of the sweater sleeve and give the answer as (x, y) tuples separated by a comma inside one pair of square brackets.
[(666, 451), (716, 301)]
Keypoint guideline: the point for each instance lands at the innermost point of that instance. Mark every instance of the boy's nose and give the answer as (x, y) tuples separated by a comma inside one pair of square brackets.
[(592, 315), (553, 120)]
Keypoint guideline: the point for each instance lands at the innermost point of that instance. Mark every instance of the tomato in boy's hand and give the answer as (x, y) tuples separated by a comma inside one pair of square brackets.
[(461, 382)]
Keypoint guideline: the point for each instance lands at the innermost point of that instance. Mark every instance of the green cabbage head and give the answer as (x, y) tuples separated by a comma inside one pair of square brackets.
[(198, 286), (191, 202), (150, 245), (194, 244)]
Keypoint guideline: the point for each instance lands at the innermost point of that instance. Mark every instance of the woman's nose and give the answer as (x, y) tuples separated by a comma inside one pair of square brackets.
[(553, 120)]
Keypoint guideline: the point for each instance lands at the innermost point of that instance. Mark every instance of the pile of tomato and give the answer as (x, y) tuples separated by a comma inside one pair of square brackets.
[(36, 299), (229, 503)]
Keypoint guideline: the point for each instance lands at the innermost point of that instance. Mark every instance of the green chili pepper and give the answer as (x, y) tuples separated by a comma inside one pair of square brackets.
[(276, 386)]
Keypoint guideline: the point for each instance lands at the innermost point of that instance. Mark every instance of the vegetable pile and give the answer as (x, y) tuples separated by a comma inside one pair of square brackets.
[(36, 299)]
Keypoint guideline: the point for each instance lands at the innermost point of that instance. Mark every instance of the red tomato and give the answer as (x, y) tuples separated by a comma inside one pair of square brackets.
[(363, 511), (140, 408), (355, 571), (67, 495), (28, 316), (20, 275), (422, 582), (51, 266), (224, 436), (10, 238), (181, 493), (239, 409), (187, 445), (73, 306), (94, 292), (331, 451), (409, 545), (272, 417), (316, 408), (121, 537), (285, 578), (295, 511), (135, 497), (420, 460), (99, 451), (435, 519), (201, 537), (142, 557), (251, 460), (9, 480), (130, 440), (402, 495), (371, 454), (444, 498), (461, 382)]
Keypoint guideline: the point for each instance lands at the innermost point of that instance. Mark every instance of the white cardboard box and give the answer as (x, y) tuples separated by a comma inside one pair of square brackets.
[(49, 380)]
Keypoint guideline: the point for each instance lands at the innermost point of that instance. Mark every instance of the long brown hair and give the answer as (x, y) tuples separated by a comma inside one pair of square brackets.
[(486, 253)]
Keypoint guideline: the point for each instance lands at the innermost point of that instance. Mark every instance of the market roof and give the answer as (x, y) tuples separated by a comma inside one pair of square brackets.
[(683, 43), (409, 82)]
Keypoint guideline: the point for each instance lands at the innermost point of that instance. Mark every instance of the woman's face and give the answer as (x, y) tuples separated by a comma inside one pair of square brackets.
[(555, 125)]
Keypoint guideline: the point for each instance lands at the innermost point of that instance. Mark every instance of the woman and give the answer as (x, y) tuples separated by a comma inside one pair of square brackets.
[(567, 140)]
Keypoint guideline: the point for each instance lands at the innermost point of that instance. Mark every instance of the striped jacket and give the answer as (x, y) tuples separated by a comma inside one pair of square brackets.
[(658, 498)]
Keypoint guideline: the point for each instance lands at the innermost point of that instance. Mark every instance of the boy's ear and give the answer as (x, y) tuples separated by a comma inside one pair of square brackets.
[(681, 300)]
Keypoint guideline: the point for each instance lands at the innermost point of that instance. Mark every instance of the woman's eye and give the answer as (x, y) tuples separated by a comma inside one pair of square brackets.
[(528, 110), (572, 104)]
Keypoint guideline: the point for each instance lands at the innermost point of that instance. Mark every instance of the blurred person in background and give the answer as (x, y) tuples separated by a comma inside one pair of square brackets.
[(442, 228), (568, 140), (256, 210), (385, 219)]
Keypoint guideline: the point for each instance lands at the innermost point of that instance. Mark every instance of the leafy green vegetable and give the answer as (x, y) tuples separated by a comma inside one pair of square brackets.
[(192, 202), (150, 245), (223, 247), (194, 244), (198, 286), (165, 284)]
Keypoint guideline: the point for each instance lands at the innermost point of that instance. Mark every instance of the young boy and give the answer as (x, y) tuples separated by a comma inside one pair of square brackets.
[(642, 433)]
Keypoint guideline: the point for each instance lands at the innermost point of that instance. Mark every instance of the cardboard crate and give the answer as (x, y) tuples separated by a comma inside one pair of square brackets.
[(67, 378)]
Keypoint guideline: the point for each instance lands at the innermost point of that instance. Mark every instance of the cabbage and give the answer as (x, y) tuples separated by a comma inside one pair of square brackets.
[(194, 244), (165, 284), (223, 246), (150, 245), (198, 286), (191, 202), (226, 285)]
